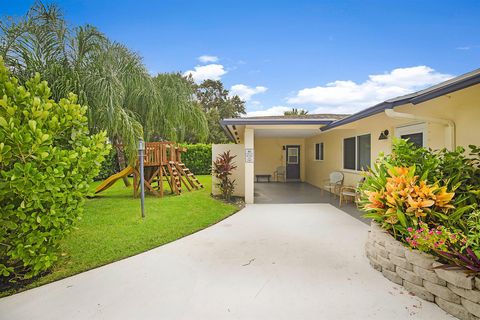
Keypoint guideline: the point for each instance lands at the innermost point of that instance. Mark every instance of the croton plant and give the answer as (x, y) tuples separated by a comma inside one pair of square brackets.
[(428, 200)]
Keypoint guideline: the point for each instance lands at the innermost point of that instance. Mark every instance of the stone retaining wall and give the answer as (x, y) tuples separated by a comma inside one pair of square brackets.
[(453, 291)]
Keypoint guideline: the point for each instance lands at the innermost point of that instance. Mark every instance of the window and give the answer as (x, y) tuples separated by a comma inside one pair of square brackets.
[(349, 153), (363, 152), (414, 133), (292, 156), (319, 151), (357, 152)]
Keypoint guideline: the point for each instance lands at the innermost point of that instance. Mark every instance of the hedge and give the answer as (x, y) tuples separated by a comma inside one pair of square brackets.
[(198, 158)]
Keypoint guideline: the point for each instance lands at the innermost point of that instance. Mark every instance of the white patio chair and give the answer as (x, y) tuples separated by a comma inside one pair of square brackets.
[(350, 192), (334, 183), (280, 172)]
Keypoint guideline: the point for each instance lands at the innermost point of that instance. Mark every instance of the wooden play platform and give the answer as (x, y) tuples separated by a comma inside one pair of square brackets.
[(162, 162)]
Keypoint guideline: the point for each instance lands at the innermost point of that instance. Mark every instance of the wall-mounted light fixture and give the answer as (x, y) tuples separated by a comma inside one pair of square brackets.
[(383, 135), (283, 147)]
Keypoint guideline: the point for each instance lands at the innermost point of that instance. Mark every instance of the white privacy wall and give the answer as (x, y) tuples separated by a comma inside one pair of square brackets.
[(239, 173)]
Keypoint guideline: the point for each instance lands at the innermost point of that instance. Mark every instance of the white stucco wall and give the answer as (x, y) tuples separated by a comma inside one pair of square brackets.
[(238, 174)]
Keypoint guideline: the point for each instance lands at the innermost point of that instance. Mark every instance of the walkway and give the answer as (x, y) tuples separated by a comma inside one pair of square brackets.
[(282, 261), (301, 192)]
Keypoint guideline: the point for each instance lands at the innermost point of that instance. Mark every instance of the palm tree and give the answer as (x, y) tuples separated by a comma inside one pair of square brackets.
[(121, 96), (295, 112)]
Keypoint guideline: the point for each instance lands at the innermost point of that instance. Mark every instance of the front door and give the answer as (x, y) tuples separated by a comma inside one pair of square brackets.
[(293, 162)]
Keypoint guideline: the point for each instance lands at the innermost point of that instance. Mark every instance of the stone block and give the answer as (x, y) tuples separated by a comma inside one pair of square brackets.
[(409, 276), (419, 291), (370, 251), (375, 227), (392, 276), (371, 236), (382, 238), (442, 292), (419, 258), (380, 250), (456, 277), (386, 264), (395, 248), (472, 307), (374, 263), (454, 309), (477, 283), (400, 262), (472, 295), (429, 275)]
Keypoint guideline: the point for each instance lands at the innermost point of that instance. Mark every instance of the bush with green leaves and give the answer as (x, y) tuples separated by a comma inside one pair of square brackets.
[(109, 167), (47, 160), (416, 189), (198, 158)]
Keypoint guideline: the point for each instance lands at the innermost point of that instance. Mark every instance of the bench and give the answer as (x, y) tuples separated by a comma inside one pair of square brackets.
[(265, 176)]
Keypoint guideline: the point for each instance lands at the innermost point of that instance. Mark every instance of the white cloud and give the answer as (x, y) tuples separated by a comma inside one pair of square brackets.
[(207, 59), (346, 96), (273, 111), (245, 92), (209, 71)]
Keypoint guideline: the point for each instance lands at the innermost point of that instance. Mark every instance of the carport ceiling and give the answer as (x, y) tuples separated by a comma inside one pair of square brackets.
[(286, 133)]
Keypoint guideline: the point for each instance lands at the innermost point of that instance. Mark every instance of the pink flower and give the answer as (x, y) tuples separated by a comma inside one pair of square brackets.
[(439, 232), (430, 232), (409, 229)]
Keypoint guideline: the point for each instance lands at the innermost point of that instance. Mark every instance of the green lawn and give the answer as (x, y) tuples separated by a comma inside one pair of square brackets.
[(112, 227)]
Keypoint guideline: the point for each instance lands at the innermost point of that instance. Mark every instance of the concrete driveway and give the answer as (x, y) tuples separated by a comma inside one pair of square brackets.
[(273, 261)]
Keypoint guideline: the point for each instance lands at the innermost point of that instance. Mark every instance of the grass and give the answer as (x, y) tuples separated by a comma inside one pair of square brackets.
[(112, 228)]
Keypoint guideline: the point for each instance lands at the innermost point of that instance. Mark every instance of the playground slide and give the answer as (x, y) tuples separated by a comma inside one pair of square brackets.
[(107, 183)]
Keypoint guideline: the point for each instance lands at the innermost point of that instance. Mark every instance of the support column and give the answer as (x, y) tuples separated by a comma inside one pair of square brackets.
[(249, 164)]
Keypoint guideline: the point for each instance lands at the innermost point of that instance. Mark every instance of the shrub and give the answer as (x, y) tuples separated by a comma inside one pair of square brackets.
[(428, 199), (198, 158), (47, 160), (222, 170), (109, 166)]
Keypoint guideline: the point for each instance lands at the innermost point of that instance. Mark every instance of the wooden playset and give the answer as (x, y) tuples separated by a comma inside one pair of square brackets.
[(162, 162)]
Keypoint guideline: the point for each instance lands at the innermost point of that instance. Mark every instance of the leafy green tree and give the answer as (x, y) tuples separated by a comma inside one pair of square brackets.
[(47, 161), (122, 97), (295, 112), (217, 104)]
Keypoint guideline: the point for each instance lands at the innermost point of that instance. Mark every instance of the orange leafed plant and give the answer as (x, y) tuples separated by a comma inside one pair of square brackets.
[(402, 197)]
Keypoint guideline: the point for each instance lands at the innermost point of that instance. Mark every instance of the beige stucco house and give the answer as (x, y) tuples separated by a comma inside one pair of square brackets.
[(310, 147)]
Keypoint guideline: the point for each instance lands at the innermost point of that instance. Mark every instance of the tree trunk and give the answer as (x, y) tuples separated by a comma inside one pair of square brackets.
[(122, 163)]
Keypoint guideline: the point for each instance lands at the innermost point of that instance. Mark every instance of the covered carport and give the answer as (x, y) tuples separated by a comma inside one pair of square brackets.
[(270, 143)]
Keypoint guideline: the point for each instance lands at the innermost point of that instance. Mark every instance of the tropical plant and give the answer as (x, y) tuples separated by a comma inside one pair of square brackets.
[(473, 233), (429, 200), (296, 112), (222, 170), (434, 239), (122, 97), (47, 160), (399, 199), (466, 260)]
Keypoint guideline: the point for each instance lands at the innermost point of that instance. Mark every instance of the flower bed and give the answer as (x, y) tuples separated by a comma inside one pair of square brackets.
[(452, 290)]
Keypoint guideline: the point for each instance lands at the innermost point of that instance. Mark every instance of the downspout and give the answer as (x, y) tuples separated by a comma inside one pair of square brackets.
[(450, 125)]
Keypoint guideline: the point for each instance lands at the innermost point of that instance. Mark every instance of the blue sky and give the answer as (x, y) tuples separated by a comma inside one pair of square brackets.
[(323, 56)]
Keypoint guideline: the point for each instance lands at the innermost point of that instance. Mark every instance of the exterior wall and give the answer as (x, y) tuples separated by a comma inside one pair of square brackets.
[(269, 155), (463, 107), (249, 167), (239, 173)]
